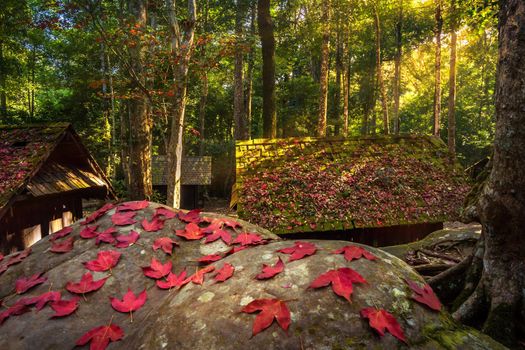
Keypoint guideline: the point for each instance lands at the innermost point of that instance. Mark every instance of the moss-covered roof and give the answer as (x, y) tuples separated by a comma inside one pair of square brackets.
[(311, 184)]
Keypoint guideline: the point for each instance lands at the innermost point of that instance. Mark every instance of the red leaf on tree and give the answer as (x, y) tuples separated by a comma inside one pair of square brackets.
[(270, 271), (124, 241), (86, 284), (209, 258), (106, 236), (220, 233), (62, 233), (89, 232), (191, 232), (106, 260), (129, 302), (424, 295), (191, 216), (14, 310), (63, 246), (270, 309), (23, 284), (167, 213), (299, 250), (101, 336), (225, 272), (198, 277), (154, 225), (64, 307), (98, 213), (381, 320), (341, 280), (165, 243), (124, 218), (135, 205), (352, 252), (173, 280), (156, 269), (248, 239)]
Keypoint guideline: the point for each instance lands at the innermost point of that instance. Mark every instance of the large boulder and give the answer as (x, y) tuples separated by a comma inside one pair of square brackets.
[(210, 316)]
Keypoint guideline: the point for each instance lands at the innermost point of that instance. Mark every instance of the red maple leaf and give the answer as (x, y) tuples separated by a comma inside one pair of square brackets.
[(62, 233), (23, 284), (299, 250), (234, 250), (270, 309), (129, 302), (41, 300), (225, 272), (64, 307), (89, 232), (165, 243), (105, 260), (156, 269), (228, 223), (424, 295), (191, 216), (381, 320), (14, 310), (248, 239), (101, 336), (191, 232), (173, 280), (18, 257), (86, 284), (270, 271), (341, 280), (135, 205), (106, 236), (220, 233), (124, 241), (154, 225), (214, 226), (98, 213), (352, 252), (124, 218), (63, 246), (198, 276), (167, 213), (209, 258)]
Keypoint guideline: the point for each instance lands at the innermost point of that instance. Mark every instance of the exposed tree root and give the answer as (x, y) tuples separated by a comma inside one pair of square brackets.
[(449, 283)]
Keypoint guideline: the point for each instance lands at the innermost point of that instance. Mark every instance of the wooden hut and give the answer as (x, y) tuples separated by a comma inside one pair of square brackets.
[(45, 173), (378, 190)]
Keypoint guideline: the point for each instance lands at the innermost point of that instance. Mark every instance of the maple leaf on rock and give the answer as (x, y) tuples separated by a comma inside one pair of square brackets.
[(63, 246), (270, 271), (228, 223), (270, 309), (124, 241), (132, 206), (106, 236), (234, 250), (214, 226), (424, 295), (167, 213), (130, 302), (154, 225), (248, 239), (209, 258), (123, 218), (89, 232), (190, 217), (225, 272), (156, 269), (299, 250), (352, 252), (23, 284), (173, 280), (105, 260), (15, 310), (341, 279), (41, 300), (101, 336), (164, 243), (381, 320), (98, 213), (220, 233), (64, 307), (86, 284), (62, 233), (191, 232), (198, 276), (19, 257)]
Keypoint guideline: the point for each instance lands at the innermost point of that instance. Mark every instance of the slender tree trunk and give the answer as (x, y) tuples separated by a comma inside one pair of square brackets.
[(323, 86), (437, 86), (338, 79), (265, 23), (380, 81), (3, 95), (397, 67), (32, 88), (140, 121), (346, 95), (452, 83), (249, 73), (238, 94), (498, 298), (202, 112)]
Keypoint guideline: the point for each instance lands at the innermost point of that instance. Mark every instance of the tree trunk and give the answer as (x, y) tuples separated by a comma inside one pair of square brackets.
[(3, 95), (437, 86), (380, 81), (265, 23), (202, 111), (238, 83), (323, 84), (502, 202), (397, 67), (249, 74), (338, 75), (452, 84), (346, 95)]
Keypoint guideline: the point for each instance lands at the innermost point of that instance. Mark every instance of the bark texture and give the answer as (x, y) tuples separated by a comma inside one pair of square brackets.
[(498, 297), (323, 84), (264, 20), (452, 83), (437, 86), (379, 71), (397, 66), (238, 79)]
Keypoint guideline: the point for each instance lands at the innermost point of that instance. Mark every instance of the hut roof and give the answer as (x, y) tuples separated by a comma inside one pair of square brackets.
[(45, 159), (312, 184)]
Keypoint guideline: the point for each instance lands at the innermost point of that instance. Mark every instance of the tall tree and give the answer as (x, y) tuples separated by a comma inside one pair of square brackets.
[(437, 82), (265, 23), (397, 66), (239, 115), (502, 203), (3, 87), (248, 90), (323, 84), (452, 81), (379, 71)]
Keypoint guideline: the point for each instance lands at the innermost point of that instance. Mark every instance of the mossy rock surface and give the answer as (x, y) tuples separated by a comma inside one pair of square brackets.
[(209, 316)]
